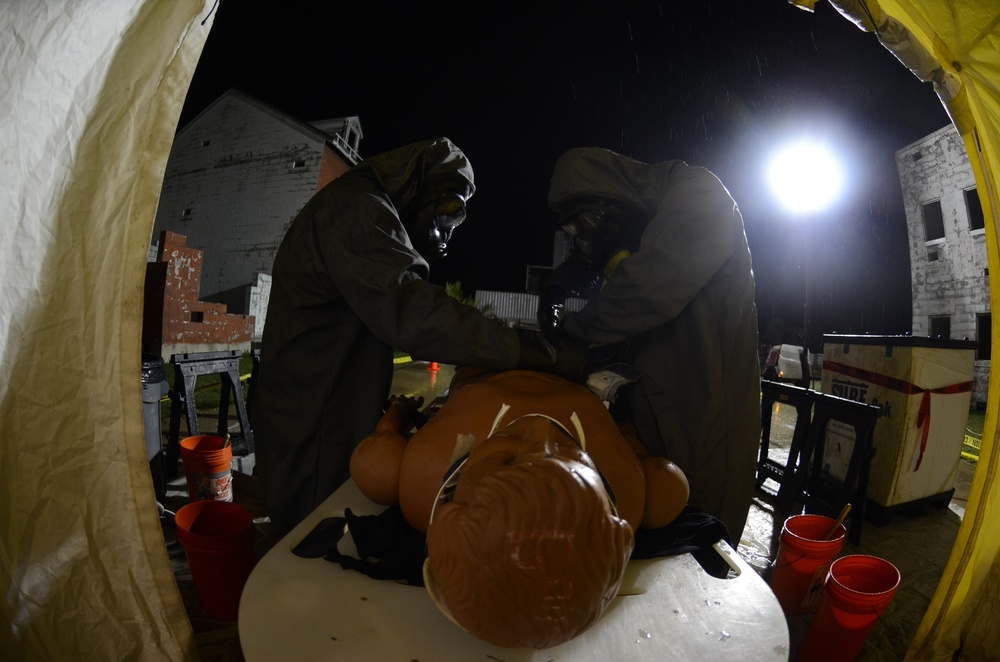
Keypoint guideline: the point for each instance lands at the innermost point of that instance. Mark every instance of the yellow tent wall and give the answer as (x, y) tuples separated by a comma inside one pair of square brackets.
[(92, 92), (956, 45), (964, 37)]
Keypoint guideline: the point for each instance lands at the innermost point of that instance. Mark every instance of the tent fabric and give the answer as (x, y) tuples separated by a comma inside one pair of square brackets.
[(963, 38), (92, 95)]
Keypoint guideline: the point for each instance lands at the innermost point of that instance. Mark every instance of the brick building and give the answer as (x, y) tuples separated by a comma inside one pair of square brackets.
[(237, 175), (950, 277)]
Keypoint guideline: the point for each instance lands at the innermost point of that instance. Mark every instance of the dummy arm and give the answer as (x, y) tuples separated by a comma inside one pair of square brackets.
[(667, 488), (377, 459)]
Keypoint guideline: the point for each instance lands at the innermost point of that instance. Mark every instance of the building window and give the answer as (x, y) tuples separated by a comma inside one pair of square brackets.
[(975, 209), (940, 326), (984, 334), (206, 143), (933, 221), (197, 316), (932, 256), (299, 163)]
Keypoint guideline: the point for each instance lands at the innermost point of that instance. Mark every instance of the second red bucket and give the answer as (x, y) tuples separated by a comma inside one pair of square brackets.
[(803, 559), (858, 590)]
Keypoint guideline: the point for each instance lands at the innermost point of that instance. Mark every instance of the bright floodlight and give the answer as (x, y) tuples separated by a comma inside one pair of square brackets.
[(805, 177)]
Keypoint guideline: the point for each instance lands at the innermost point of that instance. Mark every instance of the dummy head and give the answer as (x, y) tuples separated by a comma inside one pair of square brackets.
[(528, 552)]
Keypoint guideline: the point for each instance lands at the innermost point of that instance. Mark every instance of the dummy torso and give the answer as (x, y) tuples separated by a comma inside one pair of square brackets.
[(472, 408)]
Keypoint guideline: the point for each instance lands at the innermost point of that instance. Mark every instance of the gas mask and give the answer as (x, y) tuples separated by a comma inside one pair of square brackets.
[(439, 220), (597, 236)]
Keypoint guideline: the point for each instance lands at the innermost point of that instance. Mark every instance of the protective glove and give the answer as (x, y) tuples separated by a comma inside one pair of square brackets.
[(560, 355), (576, 276), (537, 353), (572, 358)]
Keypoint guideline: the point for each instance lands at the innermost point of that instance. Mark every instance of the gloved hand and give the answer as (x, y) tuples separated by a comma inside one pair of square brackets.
[(537, 353), (572, 358), (560, 355), (576, 276)]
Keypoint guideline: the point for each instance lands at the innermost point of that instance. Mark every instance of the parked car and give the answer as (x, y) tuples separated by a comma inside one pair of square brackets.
[(787, 363)]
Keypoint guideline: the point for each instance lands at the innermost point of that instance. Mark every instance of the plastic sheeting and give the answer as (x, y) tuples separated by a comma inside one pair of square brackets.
[(91, 96), (92, 92)]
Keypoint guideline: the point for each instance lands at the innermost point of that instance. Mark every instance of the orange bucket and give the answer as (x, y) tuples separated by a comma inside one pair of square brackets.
[(208, 466)]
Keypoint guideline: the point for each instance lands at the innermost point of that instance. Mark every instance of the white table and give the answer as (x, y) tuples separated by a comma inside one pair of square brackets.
[(302, 609)]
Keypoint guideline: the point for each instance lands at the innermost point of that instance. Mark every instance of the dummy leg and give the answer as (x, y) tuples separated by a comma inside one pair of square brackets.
[(667, 488), (377, 459)]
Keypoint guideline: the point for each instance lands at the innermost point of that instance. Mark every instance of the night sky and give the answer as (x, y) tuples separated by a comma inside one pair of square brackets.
[(715, 83)]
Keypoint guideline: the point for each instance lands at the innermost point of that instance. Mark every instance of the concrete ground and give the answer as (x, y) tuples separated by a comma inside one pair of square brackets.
[(918, 544)]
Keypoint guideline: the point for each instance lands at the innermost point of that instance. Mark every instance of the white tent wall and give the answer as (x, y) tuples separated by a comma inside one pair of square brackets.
[(92, 92)]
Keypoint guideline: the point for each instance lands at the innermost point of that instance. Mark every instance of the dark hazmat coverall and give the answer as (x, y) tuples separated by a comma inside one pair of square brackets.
[(682, 302), (349, 284)]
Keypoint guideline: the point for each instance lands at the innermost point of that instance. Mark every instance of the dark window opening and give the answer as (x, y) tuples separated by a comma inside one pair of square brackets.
[(298, 164), (976, 219), (933, 221), (940, 326), (932, 256), (984, 335), (917, 156), (197, 316), (206, 143)]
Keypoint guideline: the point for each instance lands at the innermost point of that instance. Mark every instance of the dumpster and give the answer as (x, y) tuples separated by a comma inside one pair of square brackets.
[(923, 387)]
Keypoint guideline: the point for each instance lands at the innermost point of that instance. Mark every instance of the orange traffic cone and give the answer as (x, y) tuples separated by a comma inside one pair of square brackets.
[(433, 367)]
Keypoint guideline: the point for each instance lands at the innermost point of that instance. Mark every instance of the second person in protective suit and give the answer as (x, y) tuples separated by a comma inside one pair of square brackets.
[(349, 285), (677, 301)]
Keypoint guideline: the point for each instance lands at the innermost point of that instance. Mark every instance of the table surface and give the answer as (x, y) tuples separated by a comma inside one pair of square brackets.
[(302, 609)]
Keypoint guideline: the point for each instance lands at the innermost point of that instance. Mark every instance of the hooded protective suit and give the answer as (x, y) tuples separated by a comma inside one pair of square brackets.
[(349, 286), (683, 304)]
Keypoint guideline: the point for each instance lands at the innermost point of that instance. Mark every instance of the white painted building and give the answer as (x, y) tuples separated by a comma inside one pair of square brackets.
[(237, 175), (950, 276)]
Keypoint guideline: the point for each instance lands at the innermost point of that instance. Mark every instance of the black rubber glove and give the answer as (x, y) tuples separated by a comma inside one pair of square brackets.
[(576, 276), (537, 353), (559, 355), (572, 358)]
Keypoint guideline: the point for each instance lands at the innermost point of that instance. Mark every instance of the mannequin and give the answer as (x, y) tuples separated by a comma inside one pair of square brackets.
[(390, 469), (529, 494)]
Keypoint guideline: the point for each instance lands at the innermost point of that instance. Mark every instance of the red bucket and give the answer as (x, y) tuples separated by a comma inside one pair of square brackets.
[(217, 537), (803, 560), (858, 590)]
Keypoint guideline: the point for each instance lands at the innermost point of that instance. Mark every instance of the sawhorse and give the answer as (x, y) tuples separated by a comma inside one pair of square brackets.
[(801, 478), (187, 369)]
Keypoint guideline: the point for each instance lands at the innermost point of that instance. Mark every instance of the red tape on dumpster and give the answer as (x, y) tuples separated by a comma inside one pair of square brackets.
[(908, 388)]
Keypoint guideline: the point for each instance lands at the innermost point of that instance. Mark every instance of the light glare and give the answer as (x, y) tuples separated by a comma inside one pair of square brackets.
[(805, 177)]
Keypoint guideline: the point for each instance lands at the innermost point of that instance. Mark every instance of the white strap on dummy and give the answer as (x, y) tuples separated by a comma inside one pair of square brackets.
[(580, 437)]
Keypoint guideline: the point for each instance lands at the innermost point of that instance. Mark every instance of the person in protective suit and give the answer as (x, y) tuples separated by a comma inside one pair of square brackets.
[(666, 245), (349, 284)]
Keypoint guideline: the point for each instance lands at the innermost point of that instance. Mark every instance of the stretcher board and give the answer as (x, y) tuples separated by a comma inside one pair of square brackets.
[(302, 609)]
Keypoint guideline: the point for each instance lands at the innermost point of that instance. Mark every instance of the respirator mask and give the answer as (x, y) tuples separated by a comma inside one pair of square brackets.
[(444, 215)]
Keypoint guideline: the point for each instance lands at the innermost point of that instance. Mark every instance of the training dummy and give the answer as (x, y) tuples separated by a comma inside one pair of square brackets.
[(529, 494)]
